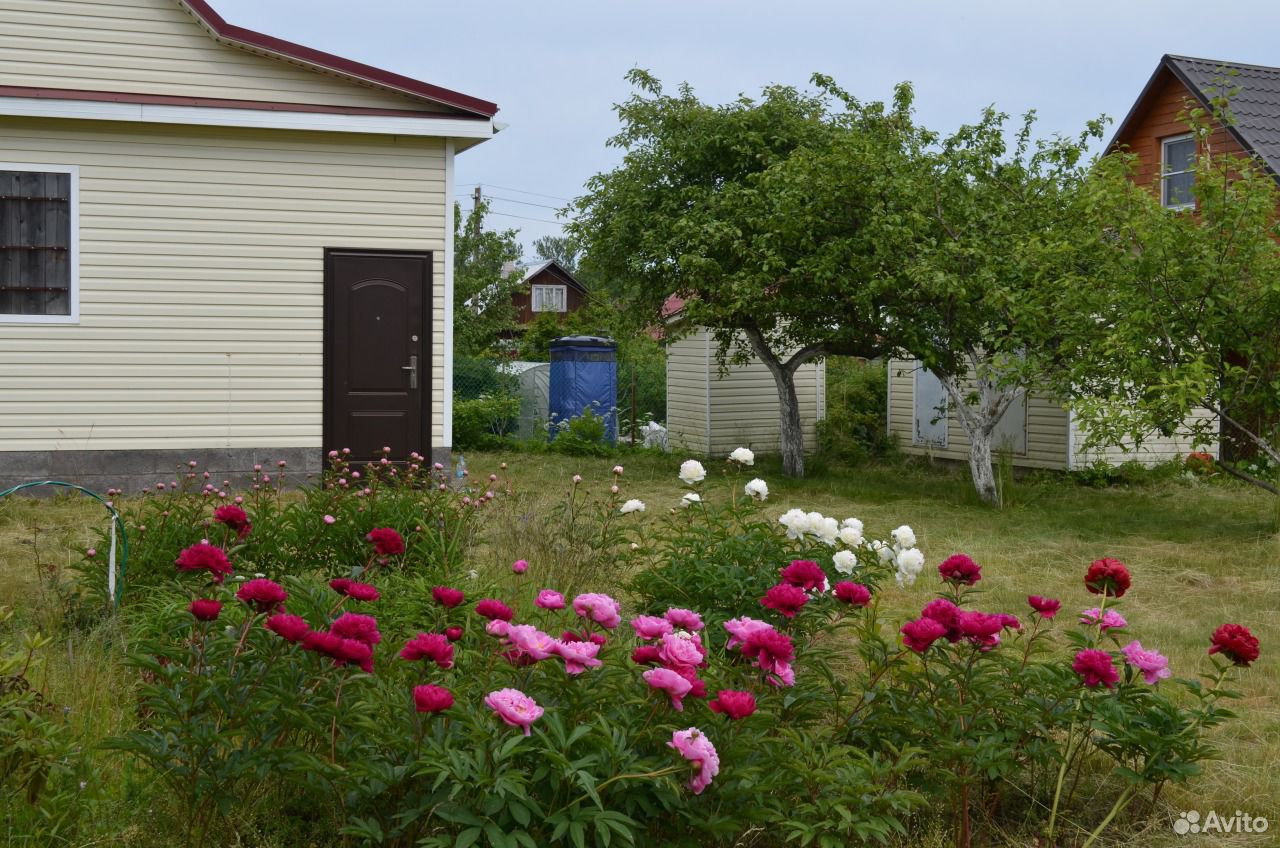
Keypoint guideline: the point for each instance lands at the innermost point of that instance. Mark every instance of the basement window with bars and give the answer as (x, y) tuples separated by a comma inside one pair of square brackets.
[(38, 244), (1178, 162), (550, 299)]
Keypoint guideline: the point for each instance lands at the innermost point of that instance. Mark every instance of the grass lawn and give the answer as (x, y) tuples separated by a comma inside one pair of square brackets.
[(1200, 554)]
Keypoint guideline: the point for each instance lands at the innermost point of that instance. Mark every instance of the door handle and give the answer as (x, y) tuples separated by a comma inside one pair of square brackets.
[(412, 368)]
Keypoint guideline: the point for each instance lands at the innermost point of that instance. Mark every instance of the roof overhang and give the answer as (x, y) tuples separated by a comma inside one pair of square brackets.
[(318, 60)]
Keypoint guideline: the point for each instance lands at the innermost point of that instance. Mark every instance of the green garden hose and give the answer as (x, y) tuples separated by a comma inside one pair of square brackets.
[(115, 584)]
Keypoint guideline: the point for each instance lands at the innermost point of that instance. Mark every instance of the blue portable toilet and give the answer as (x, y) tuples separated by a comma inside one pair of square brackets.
[(584, 375)]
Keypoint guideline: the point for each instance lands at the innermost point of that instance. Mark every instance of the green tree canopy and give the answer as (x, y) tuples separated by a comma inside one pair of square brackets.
[(482, 309)]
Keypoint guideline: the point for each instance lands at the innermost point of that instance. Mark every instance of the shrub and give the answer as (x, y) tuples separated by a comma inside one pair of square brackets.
[(486, 422), (854, 429)]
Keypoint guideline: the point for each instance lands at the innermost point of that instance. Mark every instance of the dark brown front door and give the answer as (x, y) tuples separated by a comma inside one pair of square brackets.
[(376, 350)]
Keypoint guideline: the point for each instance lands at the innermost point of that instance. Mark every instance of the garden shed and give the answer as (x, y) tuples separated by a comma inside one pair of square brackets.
[(710, 414), (216, 245), (1037, 433)]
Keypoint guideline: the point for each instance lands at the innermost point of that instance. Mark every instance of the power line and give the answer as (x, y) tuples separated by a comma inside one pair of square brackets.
[(525, 202), (517, 191), (527, 218)]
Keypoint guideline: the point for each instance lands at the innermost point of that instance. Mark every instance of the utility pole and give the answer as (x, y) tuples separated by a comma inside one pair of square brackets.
[(477, 199)]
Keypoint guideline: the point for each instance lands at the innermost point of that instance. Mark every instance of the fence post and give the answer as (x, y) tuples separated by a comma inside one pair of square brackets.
[(633, 405)]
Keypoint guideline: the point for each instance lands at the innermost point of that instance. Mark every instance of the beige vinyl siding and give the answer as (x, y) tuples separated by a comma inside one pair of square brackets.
[(712, 414), (201, 281), (1046, 425), (1155, 448), (157, 47)]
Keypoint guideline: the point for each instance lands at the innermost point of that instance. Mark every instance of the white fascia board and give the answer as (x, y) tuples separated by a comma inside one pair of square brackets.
[(146, 113), (446, 428)]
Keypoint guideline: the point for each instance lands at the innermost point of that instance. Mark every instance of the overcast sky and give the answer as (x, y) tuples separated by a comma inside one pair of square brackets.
[(556, 67)]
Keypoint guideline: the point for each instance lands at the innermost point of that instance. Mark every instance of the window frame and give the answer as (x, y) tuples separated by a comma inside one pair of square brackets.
[(562, 298), (73, 260), (1165, 174)]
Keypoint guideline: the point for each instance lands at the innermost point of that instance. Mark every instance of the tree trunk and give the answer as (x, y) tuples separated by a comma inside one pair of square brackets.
[(790, 428), (984, 479), (979, 421)]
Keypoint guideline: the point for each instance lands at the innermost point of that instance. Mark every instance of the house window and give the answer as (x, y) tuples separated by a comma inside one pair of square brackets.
[(39, 244), (1178, 161), (550, 299)]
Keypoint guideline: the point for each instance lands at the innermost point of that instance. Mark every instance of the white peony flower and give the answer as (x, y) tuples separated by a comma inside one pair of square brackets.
[(825, 529), (797, 523), (910, 562), (851, 536), (757, 489), (904, 537), (690, 498), (473, 574), (743, 456), (691, 471), (633, 505), (845, 561), (885, 552)]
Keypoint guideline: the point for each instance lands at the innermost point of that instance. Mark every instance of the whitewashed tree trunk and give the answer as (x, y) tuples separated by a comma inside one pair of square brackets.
[(790, 426), (978, 416)]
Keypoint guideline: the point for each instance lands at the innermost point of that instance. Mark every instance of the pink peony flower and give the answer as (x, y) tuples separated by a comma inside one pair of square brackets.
[(291, 628), (386, 541), (514, 707), (785, 599), (578, 656), (497, 627), (676, 652), (960, 570), (601, 609), (919, 634), (205, 557), (493, 610), (431, 646), (853, 593), (684, 619), (1044, 607), (804, 573), (1096, 668), (1107, 577), (1109, 620), (262, 594), (550, 600), (735, 704), (1153, 665), (583, 636), (354, 589), (205, 609), (675, 685), (531, 641), (447, 597), (650, 626), (520, 566), (360, 628), (695, 747), (329, 519), (740, 629), (432, 699)]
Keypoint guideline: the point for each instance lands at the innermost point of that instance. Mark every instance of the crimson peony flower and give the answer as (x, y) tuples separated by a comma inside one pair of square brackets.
[(785, 599), (980, 628), (804, 573), (431, 646), (354, 589), (1236, 643), (735, 704), (386, 542), (646, 655), (740, 629), (446, 597), (289, 627), (945, 613), (432, 699), (1044, 607), (205, 557), (341, 651), (919, 634), (205, 609), (494, 610), (773, 653), (360, 628), (853, 593), (453, 634), (584, 636), (1096, 668), (235, 519), (1107, 577), (960, 570), (262, 594)]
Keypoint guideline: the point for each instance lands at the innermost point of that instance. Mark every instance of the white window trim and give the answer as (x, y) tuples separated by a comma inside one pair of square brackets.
[(562, 298), (74, 259), (1164, 175)]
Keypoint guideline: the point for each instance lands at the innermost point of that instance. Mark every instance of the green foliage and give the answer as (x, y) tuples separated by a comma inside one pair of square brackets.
[(476, 377), (485, 422), (483, 312), (854, 429), (582, 435)]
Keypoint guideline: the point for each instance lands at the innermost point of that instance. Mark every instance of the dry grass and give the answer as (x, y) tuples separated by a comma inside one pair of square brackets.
[(1200, 556)]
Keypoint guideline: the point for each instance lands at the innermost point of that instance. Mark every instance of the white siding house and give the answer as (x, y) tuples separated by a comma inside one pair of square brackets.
[(1038, 433), (216, 245), (711, 414)]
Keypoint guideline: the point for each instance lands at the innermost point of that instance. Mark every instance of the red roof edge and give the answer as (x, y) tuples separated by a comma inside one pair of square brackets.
[(344, 67)]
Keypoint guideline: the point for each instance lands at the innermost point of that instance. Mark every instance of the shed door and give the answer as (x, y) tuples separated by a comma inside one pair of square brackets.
[(1011, 430), (930, 410), (377, 348)]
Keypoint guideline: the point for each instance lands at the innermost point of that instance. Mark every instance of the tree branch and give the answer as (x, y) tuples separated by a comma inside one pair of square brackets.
[(1248, 478)]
